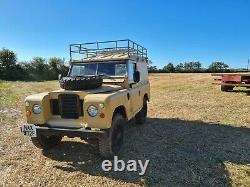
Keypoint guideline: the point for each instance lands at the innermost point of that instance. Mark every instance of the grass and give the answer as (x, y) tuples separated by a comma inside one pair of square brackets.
[(7, 97), (195, 135)]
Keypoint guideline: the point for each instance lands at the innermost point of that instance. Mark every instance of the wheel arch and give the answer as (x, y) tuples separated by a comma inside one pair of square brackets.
[(146, 96), (121, 110)]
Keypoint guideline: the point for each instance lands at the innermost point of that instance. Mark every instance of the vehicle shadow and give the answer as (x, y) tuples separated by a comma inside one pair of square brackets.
[(189, 153)]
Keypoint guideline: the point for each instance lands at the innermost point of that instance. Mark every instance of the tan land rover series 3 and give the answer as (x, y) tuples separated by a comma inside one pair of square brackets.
[(105, 88)]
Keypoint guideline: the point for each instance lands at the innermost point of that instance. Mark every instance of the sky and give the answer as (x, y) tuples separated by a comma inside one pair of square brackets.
[(172, 31)]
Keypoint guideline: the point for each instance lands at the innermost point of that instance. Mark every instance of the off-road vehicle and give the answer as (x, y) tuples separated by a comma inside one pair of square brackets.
[(104, 89)]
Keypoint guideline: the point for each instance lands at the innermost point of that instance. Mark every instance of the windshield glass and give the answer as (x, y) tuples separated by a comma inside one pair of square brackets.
[(109, 69)]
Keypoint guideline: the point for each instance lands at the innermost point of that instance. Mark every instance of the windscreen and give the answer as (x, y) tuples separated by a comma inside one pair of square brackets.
[(110, 69)]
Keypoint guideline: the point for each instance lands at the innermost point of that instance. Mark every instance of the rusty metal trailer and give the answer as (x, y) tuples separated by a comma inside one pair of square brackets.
[(230, 80)]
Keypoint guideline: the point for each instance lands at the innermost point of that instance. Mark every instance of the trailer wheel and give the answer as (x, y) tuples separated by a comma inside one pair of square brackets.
[(225, 88)]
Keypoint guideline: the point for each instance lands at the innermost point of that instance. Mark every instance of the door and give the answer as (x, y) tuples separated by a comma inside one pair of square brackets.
[(134, 91)]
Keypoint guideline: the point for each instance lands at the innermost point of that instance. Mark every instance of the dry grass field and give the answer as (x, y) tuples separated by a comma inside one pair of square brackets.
[(195, 135)]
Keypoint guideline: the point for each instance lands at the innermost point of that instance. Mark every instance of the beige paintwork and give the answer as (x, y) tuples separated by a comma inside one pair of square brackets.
[(109, 95), (113, 57)]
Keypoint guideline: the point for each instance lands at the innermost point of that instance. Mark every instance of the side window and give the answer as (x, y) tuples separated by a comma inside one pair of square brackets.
[(131, 70)]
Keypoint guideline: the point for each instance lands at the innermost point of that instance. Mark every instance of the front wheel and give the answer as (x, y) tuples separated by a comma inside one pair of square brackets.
[(112, 144), (141, 116), (46, 142)]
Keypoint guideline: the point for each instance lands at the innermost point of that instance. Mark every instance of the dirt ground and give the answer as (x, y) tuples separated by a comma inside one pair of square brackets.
[(195, 135)]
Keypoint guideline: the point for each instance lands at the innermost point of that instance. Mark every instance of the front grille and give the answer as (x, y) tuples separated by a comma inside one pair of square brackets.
[(68, 106), (54, 106)]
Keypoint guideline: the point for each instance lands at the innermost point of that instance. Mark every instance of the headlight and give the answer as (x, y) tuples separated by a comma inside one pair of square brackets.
[(92, 110), (37, 109)]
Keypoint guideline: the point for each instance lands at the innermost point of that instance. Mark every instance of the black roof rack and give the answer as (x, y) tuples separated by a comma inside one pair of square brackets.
[(94, 49)]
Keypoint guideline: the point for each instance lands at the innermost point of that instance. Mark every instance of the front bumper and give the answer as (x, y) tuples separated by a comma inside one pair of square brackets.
[(79, 132)]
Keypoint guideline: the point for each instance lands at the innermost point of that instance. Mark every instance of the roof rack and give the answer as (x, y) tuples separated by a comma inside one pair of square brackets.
[(94, 49)]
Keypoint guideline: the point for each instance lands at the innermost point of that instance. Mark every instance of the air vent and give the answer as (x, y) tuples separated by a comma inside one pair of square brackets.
[(54, 107), (70, 106)]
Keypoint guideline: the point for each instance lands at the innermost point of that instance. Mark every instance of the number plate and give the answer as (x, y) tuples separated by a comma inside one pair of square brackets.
[(28, 130)]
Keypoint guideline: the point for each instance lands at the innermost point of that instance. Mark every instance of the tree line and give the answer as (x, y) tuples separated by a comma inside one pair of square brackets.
[(193, 67), (37, 69)]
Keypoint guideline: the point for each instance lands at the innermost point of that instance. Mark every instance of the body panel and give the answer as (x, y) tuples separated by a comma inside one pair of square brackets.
[(110, 100)]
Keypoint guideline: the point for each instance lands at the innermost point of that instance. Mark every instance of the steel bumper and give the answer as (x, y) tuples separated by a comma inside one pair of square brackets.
[(79, 132)]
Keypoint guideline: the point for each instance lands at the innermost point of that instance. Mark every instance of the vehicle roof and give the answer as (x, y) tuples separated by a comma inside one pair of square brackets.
[(109, 50), (112, 57)]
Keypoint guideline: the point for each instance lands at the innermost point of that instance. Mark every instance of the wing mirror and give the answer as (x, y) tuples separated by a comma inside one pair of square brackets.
[(136, 76)]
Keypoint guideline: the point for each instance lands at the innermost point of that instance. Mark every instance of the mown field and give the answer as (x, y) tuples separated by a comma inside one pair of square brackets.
[(195, 135)]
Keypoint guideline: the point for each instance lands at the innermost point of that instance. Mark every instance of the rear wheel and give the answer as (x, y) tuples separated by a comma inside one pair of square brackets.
[(141, 116), (225, 88), (46, 142), (112, 144)]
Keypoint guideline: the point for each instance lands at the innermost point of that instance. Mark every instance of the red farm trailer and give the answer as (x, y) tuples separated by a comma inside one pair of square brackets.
[(230, 80)]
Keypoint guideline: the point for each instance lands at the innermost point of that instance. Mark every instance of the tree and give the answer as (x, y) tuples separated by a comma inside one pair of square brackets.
[(218, 67), (26, 69), (7, 58), (8, 61), (38, 69), (152, 69), (196, 66), (179, 67), (56, 67), (192, 66), (169, 68), (150, 62)]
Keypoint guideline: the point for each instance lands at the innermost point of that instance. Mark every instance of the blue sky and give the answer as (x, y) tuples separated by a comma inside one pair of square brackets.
[(173, 31)]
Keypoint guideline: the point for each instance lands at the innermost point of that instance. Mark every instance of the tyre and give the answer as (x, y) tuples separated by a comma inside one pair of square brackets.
[(81, 82), (112, 144), (46, 142), (226, 88), (141, 116)]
